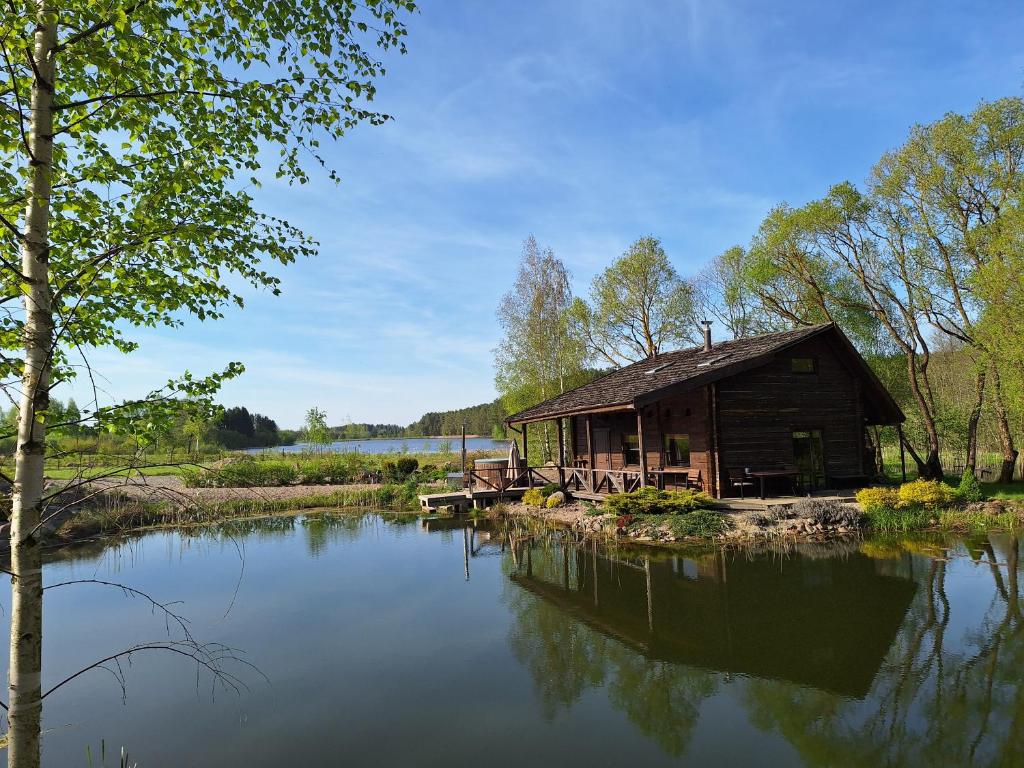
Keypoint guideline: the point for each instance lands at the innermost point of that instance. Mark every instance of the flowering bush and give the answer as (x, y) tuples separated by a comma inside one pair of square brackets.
[(873, 499), (534, 498), (925, 493), (556, 499)]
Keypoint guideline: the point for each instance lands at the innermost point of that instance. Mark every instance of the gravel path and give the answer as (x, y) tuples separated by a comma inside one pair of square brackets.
[(171, 488)]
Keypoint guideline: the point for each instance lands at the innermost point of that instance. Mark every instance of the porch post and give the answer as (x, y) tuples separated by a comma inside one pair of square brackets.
[(590, 453), (526, 456), (561, 454), (643, 448)]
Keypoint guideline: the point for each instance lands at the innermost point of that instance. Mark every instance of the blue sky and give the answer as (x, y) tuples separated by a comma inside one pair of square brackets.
[(588, 123)]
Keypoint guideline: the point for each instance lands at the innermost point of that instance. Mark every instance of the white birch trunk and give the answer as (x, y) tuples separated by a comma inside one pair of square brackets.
[(25, 715)]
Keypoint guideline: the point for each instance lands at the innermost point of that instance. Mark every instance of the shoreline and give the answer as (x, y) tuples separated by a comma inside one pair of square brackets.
[(152, 502)]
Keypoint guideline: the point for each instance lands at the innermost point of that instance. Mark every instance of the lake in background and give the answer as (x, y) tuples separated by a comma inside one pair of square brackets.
[(379, 642), (397, 445)]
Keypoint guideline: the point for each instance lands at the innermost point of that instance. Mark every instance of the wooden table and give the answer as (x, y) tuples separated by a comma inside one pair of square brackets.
[(684, 471), (764, 473)]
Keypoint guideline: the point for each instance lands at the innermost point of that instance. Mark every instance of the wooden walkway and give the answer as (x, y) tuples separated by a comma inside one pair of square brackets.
[(462, 500)]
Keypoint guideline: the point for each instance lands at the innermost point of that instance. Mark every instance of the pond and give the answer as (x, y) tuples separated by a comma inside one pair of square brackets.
[(382, 641), (397, 445)]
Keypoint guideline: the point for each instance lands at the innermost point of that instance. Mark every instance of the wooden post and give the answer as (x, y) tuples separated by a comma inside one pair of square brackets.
[(650, 595), (903, 455), (526, 456), (561, 454), (715, 480), (643, 448), (590, 453), (463, 450)]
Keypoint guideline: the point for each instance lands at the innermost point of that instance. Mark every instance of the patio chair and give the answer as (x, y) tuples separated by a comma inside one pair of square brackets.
[(738, 478)]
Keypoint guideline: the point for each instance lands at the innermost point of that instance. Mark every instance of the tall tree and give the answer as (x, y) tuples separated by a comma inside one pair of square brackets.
[(958, 186), (639, 307), (538, 356), (848, 263), (131, 133), (723, 292)]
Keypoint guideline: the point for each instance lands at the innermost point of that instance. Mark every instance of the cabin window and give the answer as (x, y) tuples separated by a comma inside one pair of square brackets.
[(631, 449), (677, 450), (803, 365)]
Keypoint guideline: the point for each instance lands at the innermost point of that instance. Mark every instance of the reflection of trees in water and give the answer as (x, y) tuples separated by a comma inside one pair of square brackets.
[(938, 699), (565, 657), (661, 698), (948, 691)]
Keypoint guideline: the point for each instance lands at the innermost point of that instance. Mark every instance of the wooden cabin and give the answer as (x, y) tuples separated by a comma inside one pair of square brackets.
[(780, 412)]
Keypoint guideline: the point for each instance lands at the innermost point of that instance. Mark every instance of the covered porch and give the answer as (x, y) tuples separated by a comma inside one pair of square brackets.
[(597, 452)]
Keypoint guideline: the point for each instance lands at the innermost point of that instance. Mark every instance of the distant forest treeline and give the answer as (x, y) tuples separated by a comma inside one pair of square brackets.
[(239, 428)]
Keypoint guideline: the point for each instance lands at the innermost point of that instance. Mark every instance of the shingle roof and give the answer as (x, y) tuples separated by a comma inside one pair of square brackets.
[(624, 386)]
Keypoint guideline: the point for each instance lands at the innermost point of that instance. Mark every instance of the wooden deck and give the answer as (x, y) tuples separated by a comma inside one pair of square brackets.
[(487, 486)]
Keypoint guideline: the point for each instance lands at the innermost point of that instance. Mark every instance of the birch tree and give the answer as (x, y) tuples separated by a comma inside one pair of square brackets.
[(639, 306), (538, 356), (133, 135)]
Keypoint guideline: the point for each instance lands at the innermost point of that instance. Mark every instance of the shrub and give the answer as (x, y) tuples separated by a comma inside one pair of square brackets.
[(925, 493), (556, 499), (872, 499), (533, 498), (969, 490), (550, 488), (406, 466), (651, 501), (700, 522), (827, 512)]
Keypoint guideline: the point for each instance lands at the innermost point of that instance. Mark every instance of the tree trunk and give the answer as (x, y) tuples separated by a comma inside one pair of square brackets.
[(879, 456), (930, 467), (25, 702), (1010, 452), (971, 464)]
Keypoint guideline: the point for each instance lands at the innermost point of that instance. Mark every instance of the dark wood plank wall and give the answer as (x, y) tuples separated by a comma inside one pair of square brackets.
[(759, 410)]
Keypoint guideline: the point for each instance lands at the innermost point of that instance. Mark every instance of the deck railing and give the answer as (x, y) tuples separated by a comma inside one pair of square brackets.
[(579, 479)]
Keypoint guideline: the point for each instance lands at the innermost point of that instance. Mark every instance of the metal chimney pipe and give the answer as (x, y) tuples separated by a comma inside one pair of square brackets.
[(707, 334)]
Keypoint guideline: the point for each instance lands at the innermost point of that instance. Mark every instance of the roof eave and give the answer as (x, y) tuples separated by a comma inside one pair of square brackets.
[(516, 418)]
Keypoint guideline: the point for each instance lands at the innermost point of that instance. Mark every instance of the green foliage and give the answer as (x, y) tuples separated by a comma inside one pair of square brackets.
[(315, 430), (638, 307), (969, 490), (483, 419), (703, 523), (651, 501), (550, 488), (892, 520), (538, 355)]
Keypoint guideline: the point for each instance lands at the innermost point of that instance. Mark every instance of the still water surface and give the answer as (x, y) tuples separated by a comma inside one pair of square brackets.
[(397, 445), (383, 643)]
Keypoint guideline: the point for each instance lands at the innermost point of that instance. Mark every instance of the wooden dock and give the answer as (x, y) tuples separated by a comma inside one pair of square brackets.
[(463, 500)]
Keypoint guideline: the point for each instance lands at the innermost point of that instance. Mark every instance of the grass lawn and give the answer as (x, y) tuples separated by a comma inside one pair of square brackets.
[(67, 473), (1014, 491)]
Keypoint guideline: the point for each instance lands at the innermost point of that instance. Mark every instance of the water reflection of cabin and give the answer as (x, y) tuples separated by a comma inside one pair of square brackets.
[(823, 622), (792, 406)]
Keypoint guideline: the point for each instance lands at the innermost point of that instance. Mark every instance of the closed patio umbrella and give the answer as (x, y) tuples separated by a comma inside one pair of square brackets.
[(513, 462)]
